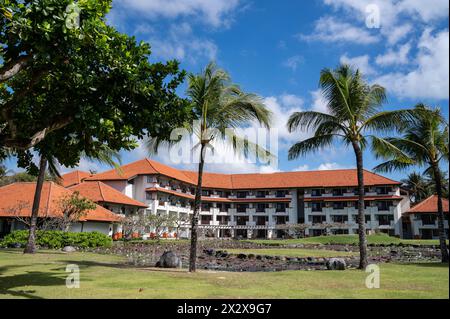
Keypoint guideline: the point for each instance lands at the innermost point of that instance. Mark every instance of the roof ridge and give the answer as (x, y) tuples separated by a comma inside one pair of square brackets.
[(101, 192)]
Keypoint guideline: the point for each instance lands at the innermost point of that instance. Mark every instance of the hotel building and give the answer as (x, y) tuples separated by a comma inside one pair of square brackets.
[(263, 205)]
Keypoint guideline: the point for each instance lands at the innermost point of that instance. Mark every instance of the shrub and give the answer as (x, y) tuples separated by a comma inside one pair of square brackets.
[(57, 239)]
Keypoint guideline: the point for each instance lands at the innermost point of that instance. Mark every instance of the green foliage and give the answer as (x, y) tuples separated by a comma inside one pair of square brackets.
[(58, 239), (354, 114), (20, 177), (80, 87)]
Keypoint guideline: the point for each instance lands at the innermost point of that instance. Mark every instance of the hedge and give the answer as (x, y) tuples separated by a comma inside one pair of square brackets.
[(57, 239)]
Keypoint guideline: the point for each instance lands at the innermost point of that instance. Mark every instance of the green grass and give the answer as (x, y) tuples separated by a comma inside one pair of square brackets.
[(104, 276), (293, 252), (346, 240)]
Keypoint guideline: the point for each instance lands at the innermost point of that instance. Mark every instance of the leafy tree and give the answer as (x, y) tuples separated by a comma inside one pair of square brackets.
[(73, 207), (353, 117), (219, 105), (93, 83), (424, 142), (429, 177), (82, 87), (418, 187)]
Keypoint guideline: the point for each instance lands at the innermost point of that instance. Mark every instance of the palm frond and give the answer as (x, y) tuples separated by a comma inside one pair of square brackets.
[(309, 145)]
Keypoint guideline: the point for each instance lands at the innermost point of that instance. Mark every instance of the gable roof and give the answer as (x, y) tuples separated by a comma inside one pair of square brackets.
[(17, 200), (100, 192), (74, 178), (332, 178), (429, 205)]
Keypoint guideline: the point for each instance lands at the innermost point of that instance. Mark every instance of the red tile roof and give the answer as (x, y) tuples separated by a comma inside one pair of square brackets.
[(74, 178), (429, 205), (101, 193), (332, 178), (16, 200)]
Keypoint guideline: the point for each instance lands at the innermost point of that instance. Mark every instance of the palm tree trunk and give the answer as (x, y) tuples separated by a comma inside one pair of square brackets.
[(442, 236), (195, 217), (361, 216), (30, 248)]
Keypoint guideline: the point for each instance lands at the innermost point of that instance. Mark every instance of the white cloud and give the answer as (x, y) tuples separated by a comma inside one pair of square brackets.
[(393, 14), (430, 77), (301, 168), (182, 44), (331, 166), (293, 62), (329, 29), (394, 57), (319, 104), (213, 12), (282, 108), (359, 62), (397, 33)]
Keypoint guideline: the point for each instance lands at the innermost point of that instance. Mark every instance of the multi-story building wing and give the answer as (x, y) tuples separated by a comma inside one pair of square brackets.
[(262, 205), (424, 218)]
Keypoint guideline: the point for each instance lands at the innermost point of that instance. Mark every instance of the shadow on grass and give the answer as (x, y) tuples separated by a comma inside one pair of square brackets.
[(88, 263), (31, 278)]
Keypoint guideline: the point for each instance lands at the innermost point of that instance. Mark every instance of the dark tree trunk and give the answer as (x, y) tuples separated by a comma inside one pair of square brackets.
[(197, 203), (30, 248), (442, 236), (361, 215)]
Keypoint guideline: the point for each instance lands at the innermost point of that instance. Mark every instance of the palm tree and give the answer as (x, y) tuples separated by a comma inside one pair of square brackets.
[(220, 105), (353, 117), (418, 187), (429, 178), (48, 162), (424, 142)]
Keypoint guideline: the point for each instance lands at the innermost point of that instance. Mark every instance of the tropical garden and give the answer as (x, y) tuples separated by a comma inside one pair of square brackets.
[(70, 91)]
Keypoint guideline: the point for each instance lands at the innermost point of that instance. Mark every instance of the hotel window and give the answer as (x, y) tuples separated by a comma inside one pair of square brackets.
[(148, 196), (205, 192), (261, 208), (339, 218), (219, 193), (241, 208), (384, 205), (149, 179), (338, 191), (260, 194), (428, 219), (385, 219), (318, 219), (206, 207), (280, 207), (383, 190), (317, 206), (317, 192), (338, 205), (281, 194), (241, 194)]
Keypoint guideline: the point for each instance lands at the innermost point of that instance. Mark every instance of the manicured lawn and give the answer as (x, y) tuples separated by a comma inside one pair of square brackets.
[(347, 240), (293, 252), (43, 276)]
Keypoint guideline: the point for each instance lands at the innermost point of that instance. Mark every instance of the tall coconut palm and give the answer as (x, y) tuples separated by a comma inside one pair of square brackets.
[(418, 187), (353, 116), (48, 162), (424, 142), (220, 105)]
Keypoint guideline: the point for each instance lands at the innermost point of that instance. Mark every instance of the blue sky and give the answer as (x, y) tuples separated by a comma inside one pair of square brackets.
[(278, 48)]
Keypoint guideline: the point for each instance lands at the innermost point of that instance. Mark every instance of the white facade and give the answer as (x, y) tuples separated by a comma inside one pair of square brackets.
[(261, 213), (425, 226)]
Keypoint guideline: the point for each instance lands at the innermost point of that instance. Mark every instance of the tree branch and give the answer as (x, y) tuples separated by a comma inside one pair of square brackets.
[(12, 68)]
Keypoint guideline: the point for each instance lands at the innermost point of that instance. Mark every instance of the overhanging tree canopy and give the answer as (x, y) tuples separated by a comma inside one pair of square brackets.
[(86, 86)]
